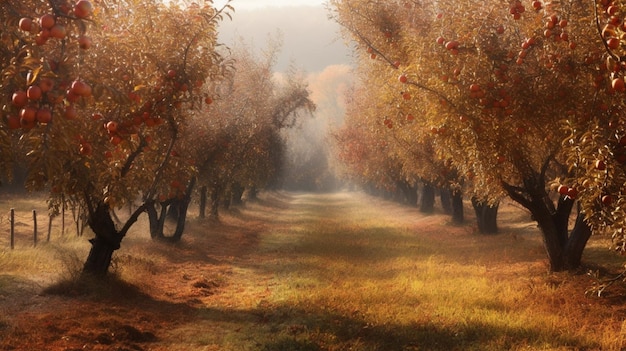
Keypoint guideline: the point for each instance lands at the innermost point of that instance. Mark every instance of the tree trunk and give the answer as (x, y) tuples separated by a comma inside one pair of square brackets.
[(427, 203), (203, 192), (107, 240), (253, 193), (173, 209), (157, 220), (215, 202), (237, 194), (563, 248), (457, 207), (446, 200), (226, 201), (409, 193), (99, 258), (486, 216), (576, 244)]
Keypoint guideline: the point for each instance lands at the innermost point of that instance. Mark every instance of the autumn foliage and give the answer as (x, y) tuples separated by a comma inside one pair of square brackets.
[(514, 97)]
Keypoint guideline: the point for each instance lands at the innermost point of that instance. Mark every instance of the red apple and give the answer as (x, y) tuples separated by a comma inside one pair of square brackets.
[(83, 9), (33, 92), (607, 200), (47, 21), (44, 115), (19, 99)]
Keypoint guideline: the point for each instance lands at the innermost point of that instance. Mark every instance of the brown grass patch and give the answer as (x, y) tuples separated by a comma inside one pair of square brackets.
[(312, 272)]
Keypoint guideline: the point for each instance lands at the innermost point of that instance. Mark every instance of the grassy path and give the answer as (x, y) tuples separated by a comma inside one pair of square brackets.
[(348, 272), (300, 272)]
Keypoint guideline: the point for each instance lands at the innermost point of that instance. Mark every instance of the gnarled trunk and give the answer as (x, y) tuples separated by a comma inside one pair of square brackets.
[(175, 209), (563, 248), (107, 240)]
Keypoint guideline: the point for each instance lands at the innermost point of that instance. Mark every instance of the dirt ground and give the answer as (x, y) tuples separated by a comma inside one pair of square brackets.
[(152, 293), (166, 289)]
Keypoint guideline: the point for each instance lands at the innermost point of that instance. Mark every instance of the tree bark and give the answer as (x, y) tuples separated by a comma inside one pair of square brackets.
[(577, 242), (253, 193), (446, 200), (215, 202), (174, 209), (427, 203), (107, 240), (237, 194), (203, 200), (486, 216), (563, 248), (457, 207), (99, 258)]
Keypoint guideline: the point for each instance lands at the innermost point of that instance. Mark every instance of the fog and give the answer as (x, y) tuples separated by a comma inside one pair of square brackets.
[(312, 44)]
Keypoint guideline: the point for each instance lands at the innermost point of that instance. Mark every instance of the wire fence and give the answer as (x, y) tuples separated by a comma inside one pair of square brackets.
[(24, 224)]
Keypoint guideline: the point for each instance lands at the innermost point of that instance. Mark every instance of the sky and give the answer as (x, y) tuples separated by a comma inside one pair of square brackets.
[(311, 41), (256, 4)]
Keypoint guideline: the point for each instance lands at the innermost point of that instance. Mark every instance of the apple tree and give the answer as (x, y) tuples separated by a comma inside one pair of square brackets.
[(240, 145), (497, 80), (109, 92)]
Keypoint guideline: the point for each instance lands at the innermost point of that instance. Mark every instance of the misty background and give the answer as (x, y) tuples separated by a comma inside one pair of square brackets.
[(312, 44)]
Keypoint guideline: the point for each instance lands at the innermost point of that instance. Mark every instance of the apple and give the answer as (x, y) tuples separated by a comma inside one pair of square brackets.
[(13, 122), (19, 99), (600, 165), (562, 189), (618, 84), (44, 115), (111, 126), (83, 9), (607, 200), (403, 78), (47, 21), (26, 24), (613, 43), (80, 88), (572, 193), (84, 42), (28, 114), (46, 84), (85, 149), (70, 112), (33, 92), (58, 31)]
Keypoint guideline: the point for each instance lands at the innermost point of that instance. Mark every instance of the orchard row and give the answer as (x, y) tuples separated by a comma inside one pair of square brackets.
[(520, 99)]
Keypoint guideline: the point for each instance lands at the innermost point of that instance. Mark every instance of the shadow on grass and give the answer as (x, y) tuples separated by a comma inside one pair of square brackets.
[(282, 328)]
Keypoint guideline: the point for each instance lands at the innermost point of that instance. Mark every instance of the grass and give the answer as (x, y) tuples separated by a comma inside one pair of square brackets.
[(348, 272), (340, 275)]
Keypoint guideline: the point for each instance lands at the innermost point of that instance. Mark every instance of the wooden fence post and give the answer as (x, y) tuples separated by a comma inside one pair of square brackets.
[(62, 214), (12, 228), (34, 227), (49, 228)]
